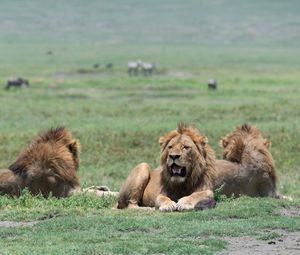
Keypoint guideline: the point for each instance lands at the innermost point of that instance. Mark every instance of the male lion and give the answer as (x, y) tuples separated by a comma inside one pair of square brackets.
[(247, 167), (48, 164), (184, 181)]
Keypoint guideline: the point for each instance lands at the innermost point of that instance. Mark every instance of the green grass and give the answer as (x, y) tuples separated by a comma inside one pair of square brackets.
[(119, 120), (250, 47), (77, 226)]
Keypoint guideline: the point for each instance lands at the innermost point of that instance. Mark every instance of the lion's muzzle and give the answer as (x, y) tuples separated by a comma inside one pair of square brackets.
[(176, 170)]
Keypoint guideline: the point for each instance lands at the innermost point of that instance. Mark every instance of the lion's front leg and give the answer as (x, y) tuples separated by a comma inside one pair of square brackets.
[(197, 200), (165, 204), (132, 190)]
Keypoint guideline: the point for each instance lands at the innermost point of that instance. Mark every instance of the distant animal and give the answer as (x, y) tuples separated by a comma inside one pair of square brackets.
[(183, 181), (49, 52), (109, 65), (148, 68), (47, 165), (18, 82), (247, 167), (212, 84), (96, 65), (133, 67)]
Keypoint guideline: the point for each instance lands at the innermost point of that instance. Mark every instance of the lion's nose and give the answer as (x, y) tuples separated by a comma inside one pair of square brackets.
[(174, 156)]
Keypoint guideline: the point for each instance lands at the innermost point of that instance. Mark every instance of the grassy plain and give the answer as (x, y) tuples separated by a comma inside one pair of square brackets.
[(118, 119)]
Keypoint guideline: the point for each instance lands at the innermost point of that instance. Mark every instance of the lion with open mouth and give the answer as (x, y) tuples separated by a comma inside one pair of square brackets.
[(184, 181)]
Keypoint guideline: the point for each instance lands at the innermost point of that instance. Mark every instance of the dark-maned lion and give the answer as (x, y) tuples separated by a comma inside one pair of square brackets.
[(47, 165), (247, 167), (184, 181)]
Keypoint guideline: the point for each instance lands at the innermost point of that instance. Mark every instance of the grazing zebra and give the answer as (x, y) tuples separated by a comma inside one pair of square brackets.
[(148, 69), (133, 67), (18, 82)]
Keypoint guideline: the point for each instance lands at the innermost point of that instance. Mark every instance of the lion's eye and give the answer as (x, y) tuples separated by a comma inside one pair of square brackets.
[(170, 147), (185, 147)]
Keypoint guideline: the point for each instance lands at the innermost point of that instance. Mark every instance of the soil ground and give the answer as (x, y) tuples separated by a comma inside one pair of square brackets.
[(287, 243)]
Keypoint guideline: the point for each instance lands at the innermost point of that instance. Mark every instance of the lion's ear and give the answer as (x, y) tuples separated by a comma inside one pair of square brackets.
[(267, 143), (162, 143), (223, 142), (201, 144), (205, 140), (74, 148)]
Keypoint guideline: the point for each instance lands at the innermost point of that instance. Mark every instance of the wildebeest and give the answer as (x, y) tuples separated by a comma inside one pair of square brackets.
[(212, 84), (133, 67), (18, 82), (148, 68), (109, 65)]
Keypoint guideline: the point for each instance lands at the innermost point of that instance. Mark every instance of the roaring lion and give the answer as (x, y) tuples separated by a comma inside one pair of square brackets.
[(247, 167), (47, 165), (184, 181)]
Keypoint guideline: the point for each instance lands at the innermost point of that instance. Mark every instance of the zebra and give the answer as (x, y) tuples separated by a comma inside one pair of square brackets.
[(148, 68), (133, 67)]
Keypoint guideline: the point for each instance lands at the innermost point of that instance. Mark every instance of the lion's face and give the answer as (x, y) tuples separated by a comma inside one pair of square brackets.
[(185, 156), (179, 155)]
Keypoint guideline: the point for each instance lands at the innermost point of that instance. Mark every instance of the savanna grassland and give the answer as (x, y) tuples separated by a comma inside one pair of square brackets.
[(250, 47)]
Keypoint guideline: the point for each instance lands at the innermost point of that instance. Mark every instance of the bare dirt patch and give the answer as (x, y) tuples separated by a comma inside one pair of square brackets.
[(178, 74), (17, 224), (288, 243), (74, 75), (20, 224), (291, 212)]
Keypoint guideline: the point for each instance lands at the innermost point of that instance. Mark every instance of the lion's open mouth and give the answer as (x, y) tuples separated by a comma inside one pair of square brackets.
[(177, 170)]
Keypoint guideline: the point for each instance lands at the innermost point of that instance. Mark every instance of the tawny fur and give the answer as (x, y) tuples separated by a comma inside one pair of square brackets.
[(186, 148), (247, 167), (47, 165)]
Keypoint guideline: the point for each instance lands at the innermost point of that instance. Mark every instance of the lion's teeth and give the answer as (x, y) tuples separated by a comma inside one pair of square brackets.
[(176, 170)]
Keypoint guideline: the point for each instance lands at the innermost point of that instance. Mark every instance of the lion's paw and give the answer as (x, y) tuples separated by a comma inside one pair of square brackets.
[(184, 205), (168, 207), (205, 204)]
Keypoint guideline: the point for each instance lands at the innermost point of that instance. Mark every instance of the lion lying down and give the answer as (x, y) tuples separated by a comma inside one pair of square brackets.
[(184, 181), (47, 165), (247, 167)]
